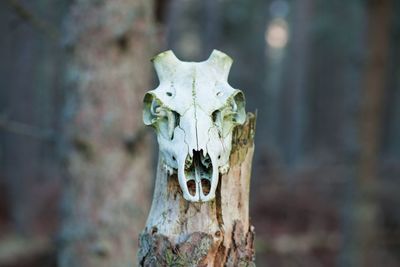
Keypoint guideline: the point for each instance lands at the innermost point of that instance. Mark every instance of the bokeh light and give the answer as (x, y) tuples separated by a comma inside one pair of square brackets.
[(277, 34)]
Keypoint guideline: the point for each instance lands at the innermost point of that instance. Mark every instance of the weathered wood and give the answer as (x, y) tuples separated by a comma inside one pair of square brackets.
[(214, 233)]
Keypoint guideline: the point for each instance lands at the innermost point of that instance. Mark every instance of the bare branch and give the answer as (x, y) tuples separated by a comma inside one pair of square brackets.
[(24, 129), (33, 19)]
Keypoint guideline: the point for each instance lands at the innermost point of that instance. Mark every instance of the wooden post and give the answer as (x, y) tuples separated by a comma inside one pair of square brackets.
[(213, 233)]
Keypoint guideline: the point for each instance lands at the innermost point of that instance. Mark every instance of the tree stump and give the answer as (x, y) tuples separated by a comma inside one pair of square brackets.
[(213, 233)]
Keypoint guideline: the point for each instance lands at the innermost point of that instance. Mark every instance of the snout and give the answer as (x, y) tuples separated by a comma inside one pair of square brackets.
[(198, 177)]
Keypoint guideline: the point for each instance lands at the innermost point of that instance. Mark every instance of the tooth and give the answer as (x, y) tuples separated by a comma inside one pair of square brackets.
[(224, 168), (187, 165), (208, 161), (204, 152), (188, 162), (168, 169)]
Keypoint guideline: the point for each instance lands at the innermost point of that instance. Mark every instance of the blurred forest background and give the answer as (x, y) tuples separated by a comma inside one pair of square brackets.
[(77, 165)]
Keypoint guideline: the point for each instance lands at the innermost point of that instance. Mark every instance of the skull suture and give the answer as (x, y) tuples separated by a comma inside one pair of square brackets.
[(194, 111)]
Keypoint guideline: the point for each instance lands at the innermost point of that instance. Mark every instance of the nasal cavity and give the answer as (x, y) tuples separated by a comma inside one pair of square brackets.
[(191, 185), (206, 186)]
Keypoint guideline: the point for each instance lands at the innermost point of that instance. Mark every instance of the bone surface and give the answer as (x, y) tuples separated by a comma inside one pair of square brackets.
[(194, 111)]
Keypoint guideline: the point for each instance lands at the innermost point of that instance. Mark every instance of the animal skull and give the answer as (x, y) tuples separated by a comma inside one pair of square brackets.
[(194, 111)]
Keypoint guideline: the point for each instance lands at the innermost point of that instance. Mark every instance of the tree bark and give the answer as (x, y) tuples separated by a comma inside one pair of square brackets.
[(215, 233), (29, 92), (109, 155), (366, 221)]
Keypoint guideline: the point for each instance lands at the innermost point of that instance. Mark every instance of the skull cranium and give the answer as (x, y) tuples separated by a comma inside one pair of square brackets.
[(194, 111)]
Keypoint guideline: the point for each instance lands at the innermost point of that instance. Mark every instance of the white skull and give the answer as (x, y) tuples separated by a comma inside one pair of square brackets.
[(194, 111)]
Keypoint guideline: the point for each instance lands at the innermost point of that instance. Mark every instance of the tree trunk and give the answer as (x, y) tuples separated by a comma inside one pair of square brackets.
[(293, 118), (370, 129), (29, 92), (109, 154), (215, 233)]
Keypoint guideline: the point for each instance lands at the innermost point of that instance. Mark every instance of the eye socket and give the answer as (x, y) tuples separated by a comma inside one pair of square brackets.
[(216, 115), (238, 107), (231, 114), (151, 103), (176, 119), (156, 114)]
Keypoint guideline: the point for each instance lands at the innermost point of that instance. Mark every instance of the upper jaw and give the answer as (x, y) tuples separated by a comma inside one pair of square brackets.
[(198, 176)]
